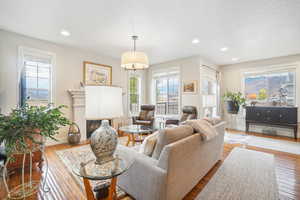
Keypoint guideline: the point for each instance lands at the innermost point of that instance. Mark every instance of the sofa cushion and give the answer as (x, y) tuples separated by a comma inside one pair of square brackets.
[(148, 144), (170, 135), (204, 128)]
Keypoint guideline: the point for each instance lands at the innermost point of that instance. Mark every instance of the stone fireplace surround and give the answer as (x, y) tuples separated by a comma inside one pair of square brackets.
[(78, 110), (78, 113)]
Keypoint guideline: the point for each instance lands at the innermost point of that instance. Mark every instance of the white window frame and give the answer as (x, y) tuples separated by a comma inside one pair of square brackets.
[(22, 51), (210, 74), (269, 70), (139, 91), (168, 71)]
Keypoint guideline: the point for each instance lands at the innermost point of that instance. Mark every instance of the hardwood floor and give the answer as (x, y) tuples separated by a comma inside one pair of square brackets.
[(63, 187)]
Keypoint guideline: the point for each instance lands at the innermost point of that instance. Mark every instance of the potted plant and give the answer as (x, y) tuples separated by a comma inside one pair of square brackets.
[(26, 127), (234, 101), (23, 132)]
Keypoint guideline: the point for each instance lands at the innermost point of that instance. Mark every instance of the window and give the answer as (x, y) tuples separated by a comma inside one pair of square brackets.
[(134, 94), (35, 83), (209, 91), (271, 88), (166, 86)]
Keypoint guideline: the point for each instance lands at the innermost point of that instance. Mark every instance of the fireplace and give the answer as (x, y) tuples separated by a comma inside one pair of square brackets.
[(78, 111)]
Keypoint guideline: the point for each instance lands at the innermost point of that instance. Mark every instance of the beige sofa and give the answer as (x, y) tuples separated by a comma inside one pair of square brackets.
[(175, 167)]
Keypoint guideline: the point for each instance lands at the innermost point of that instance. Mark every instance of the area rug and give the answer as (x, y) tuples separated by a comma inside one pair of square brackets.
[(262, 142), (244, 175), (74, 156)]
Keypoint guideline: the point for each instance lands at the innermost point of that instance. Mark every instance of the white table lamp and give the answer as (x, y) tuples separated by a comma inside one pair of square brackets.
[(103, 102), (209, 101)]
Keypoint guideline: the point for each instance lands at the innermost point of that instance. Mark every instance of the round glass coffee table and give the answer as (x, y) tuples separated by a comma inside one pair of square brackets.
[(132, 130), (110, 170)]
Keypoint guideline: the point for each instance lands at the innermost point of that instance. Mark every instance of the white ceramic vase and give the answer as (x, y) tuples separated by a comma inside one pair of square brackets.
[(104, 142)]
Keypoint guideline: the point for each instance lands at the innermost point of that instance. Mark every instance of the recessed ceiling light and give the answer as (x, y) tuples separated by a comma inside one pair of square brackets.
[(65, 33), (195, 41), (224, 49), (235, 59)]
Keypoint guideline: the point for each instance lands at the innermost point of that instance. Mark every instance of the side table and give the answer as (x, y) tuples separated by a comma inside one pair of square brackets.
[(133, 130), (91, 171)]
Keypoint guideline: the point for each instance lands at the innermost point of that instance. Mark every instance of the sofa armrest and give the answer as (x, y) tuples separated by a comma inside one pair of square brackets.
[(144, 180), (220, 127), (134, 118)]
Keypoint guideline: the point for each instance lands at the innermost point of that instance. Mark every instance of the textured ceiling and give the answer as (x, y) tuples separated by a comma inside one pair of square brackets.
[(253, 29)]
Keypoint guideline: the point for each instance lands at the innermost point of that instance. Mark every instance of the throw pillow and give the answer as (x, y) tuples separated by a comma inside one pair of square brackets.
[(184, 117), (204, 128), (148, 144), (150, 115), (170, 135), (143, 115)]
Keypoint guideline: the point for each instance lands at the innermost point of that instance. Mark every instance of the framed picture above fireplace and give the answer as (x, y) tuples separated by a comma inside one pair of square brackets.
[(96, 74)]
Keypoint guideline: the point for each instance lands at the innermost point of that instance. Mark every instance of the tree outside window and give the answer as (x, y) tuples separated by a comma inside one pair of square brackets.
[(271, 88), (134, 94)]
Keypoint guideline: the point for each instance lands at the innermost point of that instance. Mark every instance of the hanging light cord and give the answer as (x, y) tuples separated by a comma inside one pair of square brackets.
[(134, 38)]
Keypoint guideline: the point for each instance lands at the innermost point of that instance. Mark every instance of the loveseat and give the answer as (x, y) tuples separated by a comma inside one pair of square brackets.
[(180, 160)]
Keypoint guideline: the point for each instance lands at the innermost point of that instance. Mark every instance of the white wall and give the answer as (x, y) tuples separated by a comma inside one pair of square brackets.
[(189, 70), (68, 70), (232, 77)]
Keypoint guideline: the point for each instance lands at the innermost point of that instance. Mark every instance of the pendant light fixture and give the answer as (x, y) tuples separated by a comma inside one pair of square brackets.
[(134, 60)]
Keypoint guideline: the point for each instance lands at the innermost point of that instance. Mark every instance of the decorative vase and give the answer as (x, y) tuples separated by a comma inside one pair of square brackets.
[(74, 134), (232, 107), (104, 142)]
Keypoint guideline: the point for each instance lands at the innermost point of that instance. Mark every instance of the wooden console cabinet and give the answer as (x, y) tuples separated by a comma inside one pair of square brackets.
[(273, 116)]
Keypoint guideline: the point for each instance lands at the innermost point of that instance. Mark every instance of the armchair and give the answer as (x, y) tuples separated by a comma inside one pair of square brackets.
[(146, 116), (188, 112)]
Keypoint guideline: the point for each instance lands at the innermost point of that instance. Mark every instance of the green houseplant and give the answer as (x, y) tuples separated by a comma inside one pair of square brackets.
[(233, 101), (25, 126)]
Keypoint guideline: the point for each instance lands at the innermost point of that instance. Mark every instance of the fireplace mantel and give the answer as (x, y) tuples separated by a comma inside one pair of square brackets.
[(78, 110)]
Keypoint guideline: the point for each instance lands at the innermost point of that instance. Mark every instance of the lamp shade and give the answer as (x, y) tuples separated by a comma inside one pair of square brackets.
[(134, 60), (103, 102)]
